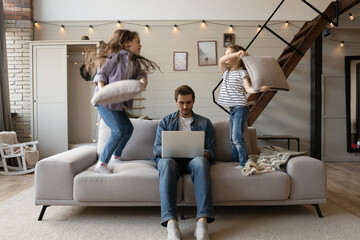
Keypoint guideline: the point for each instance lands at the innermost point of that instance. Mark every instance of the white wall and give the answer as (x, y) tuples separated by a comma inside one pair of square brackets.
[(287, 113), (79, 10)]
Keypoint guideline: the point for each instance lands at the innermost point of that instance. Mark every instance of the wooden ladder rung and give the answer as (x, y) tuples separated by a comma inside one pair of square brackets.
[(282, 59), (295, 44), (307, 26)]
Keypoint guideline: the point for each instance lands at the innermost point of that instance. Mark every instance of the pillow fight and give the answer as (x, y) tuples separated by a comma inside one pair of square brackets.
[(122, 74)]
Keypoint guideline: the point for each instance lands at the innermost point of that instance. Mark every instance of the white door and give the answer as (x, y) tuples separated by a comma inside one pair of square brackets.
[(50, 126)]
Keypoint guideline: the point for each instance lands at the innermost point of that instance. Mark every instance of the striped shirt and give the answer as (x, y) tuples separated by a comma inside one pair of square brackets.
[(232, 91)]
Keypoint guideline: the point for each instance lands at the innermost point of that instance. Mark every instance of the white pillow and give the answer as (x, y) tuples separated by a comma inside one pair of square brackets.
[(264, 70), (119, 91)]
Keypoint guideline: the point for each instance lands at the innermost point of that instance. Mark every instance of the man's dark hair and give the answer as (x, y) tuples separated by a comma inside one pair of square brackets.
[(184, 90)]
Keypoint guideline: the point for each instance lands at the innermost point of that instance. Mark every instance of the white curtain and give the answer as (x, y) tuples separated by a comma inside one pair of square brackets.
[(5, 113)]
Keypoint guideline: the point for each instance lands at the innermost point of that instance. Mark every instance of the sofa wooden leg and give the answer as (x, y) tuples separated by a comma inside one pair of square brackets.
[(42, 212), (318, 210)]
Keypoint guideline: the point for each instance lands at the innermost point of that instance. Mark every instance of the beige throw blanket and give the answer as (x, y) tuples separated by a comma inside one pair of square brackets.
[(271, 158)]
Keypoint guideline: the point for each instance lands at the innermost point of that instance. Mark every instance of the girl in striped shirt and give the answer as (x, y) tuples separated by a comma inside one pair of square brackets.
[(236, 84)]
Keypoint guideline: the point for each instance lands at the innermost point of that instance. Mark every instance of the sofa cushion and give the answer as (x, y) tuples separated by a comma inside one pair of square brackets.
[(141, 143), (223, 144), (135, 181), (229, 185)]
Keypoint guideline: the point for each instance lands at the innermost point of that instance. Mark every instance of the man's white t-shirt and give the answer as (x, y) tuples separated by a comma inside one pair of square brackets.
[(185, 123)]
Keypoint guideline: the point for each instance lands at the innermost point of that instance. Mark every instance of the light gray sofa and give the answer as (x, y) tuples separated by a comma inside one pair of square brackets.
[(68, 178)]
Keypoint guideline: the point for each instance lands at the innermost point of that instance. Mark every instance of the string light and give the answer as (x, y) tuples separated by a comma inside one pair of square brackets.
[(120, 23), (62, 28), (351, 17), (259, 28), (175, 28), (342, 44), (203, 24)]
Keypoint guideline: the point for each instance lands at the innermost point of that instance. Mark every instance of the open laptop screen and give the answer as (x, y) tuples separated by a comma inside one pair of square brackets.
[(183, 144)]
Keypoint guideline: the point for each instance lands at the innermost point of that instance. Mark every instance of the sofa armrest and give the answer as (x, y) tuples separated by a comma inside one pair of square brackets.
[(54, 176), (308, 178)]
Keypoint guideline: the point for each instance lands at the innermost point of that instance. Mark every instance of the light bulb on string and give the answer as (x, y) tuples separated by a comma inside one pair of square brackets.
[(203, 24), (286, 23), (176, 28), (342, 44), (259, 28), (231, 28), (331, 25), (36, 24), (147, 27), (118, 23), (62, 28), (91, 28), (351, 17)]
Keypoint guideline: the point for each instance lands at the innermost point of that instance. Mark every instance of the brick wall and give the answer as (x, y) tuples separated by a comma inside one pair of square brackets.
[(19, 31), (18, 9)]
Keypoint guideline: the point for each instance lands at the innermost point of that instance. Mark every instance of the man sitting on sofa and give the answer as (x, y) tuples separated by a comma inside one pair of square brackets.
[(199, 167)]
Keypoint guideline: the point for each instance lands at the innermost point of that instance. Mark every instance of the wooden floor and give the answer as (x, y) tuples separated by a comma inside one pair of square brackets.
[(343, 185)]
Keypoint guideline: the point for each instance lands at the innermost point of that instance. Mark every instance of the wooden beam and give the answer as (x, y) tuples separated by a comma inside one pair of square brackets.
[(260, 105)]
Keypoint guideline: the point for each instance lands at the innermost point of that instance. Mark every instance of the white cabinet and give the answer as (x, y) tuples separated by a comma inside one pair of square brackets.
[(55, 74)]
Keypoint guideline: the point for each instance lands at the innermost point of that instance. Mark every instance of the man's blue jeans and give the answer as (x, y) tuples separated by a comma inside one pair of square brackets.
[(121, 130), (238, 118), (169, 172)]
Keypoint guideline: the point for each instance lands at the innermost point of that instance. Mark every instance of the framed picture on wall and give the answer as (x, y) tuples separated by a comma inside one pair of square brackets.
[(180, 61), (207, 53), (229, 39)]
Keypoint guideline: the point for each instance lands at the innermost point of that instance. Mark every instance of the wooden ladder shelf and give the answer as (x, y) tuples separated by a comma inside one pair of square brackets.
[(289, 59)]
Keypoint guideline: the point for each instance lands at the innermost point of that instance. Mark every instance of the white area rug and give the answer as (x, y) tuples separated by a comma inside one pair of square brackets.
[(18, 220)]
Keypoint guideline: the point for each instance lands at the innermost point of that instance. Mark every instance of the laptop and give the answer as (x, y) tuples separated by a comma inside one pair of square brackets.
[(183, 144)]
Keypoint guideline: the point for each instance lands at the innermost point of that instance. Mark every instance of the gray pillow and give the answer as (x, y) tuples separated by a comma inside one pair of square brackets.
[(119, 91), (264, 70)]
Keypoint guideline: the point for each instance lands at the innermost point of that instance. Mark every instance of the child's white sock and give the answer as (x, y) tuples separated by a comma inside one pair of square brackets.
[(101, 167), (173, 230), (115, 159), (201, 231)]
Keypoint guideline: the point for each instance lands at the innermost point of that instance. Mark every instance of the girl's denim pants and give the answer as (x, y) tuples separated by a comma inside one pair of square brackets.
[(121, 130), (238, 118)]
